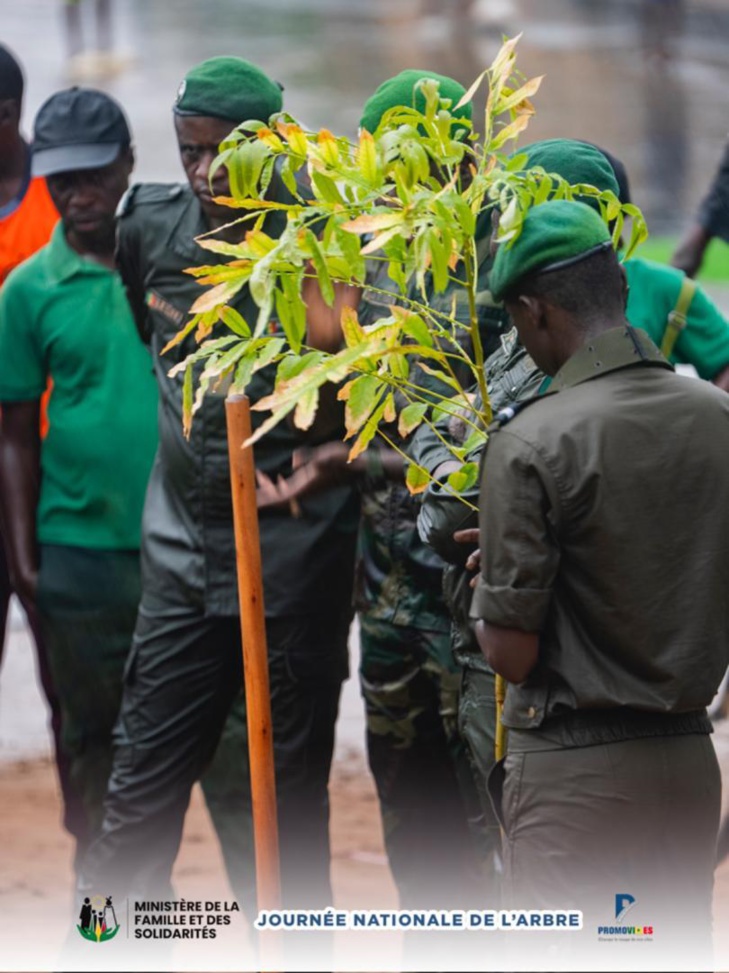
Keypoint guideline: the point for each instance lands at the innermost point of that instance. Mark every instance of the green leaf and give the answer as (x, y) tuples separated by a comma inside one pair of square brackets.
[(325, 188), (243, 375), (322, 271), (364, 394), (368, 433), (416, 478), (411, 417), (235, 321), (464, 479), (414, 325)]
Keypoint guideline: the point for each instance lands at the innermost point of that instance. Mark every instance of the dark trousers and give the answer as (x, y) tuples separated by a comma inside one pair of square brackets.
[(87, 604), (74, 816), (424, 781), (183, 673)]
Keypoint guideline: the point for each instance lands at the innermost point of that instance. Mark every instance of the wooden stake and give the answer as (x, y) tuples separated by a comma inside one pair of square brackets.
[(500, 687), (255, 657)]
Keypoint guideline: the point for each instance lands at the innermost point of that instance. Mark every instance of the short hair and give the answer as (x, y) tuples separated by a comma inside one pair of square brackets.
[(591, 288), (11, 77)]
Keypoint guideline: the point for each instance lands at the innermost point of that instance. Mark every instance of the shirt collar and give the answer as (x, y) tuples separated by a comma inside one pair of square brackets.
[(64, 262), (608, 352)]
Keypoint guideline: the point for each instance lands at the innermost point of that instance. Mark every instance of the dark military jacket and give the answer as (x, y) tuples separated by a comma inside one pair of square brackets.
[(604, 528), (511, 377), (188, 548)]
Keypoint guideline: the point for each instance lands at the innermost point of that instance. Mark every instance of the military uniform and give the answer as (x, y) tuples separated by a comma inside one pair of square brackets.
[(512, 377), (604, 527), (410, 684), (184, 669)]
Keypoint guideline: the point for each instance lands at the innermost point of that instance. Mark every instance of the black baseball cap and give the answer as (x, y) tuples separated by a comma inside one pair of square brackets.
[(79, 128)]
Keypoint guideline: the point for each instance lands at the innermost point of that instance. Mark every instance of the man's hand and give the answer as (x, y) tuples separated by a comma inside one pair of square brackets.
[(314, 470), (473, 563)]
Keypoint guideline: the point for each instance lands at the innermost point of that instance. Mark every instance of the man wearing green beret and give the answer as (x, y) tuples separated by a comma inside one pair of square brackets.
[(512, 376), (440, 851), (184, 670), (612, 647)]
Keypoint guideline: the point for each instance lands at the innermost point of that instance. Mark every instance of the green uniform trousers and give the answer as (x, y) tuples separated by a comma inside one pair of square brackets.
[(587, 827), (87, 606)]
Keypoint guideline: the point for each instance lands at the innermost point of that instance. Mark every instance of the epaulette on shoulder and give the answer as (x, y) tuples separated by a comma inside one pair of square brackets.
[(505, 415), (149, 193)]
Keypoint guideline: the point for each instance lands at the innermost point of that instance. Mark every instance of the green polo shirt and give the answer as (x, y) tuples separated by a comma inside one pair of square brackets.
[(653, 293), (66, 317)]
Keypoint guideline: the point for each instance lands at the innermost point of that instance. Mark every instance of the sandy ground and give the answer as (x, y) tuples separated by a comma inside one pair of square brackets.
[(37, 904)]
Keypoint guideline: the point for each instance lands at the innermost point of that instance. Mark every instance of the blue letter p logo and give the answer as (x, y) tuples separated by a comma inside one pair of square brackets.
[(623, 902)]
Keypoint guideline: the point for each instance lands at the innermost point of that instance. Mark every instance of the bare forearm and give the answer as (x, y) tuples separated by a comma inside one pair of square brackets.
[(19, 489), (510, 652)]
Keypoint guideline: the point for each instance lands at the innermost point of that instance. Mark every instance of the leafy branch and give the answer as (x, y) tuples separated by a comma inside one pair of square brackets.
[(411, 201)]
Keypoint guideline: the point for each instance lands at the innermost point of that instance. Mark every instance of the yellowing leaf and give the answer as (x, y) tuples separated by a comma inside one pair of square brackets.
[(294, 135), (372, 224), (416, 478), (187, 397), (270, 139), (367, 158), (329, 150), (509, 132), (363, 396), (526, 91), (472, 90), (306, 409), (351, 328), (218, 295)]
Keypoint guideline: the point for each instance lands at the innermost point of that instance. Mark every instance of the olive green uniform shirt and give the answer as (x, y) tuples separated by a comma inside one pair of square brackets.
[(188, 546), (604, 527)]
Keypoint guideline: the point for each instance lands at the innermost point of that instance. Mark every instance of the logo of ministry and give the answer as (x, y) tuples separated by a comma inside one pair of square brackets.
[(97, 919)]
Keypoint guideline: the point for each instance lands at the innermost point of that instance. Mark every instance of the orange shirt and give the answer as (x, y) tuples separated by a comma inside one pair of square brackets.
[(22, 232), (27, 228)]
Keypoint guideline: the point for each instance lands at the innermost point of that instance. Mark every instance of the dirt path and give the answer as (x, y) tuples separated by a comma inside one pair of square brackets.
[(35, 862)]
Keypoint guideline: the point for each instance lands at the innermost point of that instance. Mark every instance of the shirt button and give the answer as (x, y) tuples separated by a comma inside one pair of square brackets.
[(531, 712)]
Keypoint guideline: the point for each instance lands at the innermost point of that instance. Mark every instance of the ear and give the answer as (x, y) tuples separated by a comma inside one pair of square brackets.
[(534, 308), (129, 160), (9, 112), (626, 285)]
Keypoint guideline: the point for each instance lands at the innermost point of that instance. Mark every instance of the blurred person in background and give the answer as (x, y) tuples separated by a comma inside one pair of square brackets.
[(72, 501)]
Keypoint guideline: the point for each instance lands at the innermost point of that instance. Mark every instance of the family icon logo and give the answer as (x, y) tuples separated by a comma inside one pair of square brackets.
[(623, 904), (97, 919)]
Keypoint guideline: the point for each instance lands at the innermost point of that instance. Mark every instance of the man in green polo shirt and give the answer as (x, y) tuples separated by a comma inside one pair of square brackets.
[(72, 502)]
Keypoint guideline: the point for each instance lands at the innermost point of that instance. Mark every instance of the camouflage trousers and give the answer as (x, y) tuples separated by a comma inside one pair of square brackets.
[(410, 686), (477, 727)]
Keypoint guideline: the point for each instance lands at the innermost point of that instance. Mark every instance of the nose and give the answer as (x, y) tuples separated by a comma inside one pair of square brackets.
[(82, 194), (202, 167)]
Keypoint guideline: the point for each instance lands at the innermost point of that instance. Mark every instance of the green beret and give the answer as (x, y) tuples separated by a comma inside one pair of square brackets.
[(400, 90), (229, 88), (577, 162), (554, 235)]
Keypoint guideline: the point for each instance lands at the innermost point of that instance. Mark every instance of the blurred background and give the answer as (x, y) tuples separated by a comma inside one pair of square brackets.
[(647, 79)]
